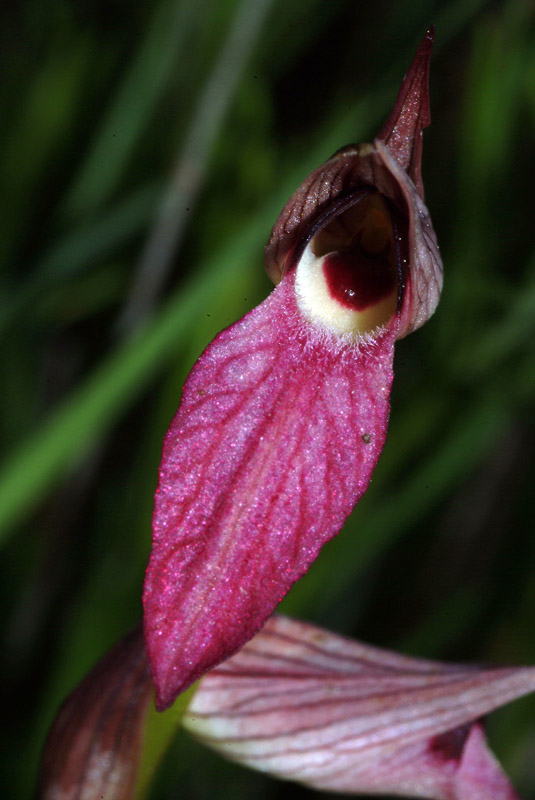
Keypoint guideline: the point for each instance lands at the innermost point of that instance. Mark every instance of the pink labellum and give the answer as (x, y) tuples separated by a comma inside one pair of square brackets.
[(275, 440), (337, 715), (284, 416)]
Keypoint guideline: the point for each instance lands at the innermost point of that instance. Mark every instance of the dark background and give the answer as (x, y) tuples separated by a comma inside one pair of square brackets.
[(108, 111)]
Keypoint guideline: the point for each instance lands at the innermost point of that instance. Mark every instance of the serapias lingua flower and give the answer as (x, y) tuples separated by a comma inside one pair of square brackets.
[(284, 416)]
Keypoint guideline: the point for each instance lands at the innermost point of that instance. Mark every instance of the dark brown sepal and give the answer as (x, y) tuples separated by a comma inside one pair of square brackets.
[(94, 746), (402, 132)]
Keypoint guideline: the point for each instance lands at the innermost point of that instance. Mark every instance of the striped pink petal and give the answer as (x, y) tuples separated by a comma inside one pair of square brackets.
[(310, 706), (94, 747), (284, 416)]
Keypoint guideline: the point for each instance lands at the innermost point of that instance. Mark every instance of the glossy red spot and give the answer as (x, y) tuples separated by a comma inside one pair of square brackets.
[(357, 280)]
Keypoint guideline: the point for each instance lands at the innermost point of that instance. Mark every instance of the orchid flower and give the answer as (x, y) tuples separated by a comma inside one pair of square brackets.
[(300, 703), (284, 416)]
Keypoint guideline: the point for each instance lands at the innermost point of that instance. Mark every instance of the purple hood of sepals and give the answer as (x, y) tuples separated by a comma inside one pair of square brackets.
[(347, 172)]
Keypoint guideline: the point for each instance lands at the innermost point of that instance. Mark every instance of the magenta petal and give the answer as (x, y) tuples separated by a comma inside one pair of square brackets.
[(280, 427)]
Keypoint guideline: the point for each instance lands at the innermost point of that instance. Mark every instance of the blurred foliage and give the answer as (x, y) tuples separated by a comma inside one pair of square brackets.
[(439, 557)]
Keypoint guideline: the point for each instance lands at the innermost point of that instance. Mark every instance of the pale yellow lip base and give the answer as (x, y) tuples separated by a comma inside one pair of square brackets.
[(367, 222)]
